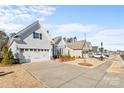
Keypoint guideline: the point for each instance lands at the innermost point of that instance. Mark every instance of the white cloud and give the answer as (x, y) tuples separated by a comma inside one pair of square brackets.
[(112, 38), (23, 16), (11, 27), (12, 17), (45, 10), (73, 27), (32, 9), (20, 12), (76, 27)]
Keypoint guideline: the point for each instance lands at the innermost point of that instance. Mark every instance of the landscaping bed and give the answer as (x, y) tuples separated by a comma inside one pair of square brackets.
[(65, 59), (87, 62)]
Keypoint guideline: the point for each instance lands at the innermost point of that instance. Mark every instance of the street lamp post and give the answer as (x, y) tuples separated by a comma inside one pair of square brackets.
[(101, 51)]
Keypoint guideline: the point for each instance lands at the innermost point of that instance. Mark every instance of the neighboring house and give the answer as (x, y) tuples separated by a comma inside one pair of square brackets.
[(79, 48), (120, 52), (31, 44), (73, 49), (59, 46)]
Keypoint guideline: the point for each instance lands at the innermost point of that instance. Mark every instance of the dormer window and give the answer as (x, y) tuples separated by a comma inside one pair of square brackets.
[(16, 36), (37, 35)]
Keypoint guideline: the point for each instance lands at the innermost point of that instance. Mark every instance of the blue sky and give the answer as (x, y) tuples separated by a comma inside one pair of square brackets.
[(100, 23)]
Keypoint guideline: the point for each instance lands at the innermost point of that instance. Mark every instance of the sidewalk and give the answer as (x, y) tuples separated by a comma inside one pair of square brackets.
[(117, 65)]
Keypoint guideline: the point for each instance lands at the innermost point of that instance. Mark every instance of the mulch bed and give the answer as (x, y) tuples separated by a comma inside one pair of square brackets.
[(64, 59), (85, 64)]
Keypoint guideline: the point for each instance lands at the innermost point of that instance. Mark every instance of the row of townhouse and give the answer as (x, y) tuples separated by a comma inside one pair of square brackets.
[(33, 44)]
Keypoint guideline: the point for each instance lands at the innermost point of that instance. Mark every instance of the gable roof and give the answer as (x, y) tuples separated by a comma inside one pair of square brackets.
[(18, 38), (80, 45), (57, 39), (33, 25)]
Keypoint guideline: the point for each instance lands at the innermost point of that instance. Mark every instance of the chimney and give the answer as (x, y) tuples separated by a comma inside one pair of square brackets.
[(48, 31)]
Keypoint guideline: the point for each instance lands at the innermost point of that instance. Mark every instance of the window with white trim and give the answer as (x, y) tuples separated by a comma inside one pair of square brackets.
[(37, 35)]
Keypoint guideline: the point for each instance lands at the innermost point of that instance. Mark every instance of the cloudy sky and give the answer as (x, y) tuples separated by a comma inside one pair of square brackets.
[(100, 23)]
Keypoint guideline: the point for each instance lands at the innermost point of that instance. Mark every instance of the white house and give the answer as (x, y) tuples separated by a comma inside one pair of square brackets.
[(59, 46), (31, 44), (78, 48), (74, 49)]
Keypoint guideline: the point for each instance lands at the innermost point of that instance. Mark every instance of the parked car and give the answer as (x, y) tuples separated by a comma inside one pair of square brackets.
[(106, 54), (98, 56)]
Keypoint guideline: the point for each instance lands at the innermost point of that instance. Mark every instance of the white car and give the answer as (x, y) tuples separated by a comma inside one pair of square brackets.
[(98, 56)]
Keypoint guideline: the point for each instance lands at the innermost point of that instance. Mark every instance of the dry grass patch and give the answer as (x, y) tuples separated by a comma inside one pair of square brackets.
[(15, 76)]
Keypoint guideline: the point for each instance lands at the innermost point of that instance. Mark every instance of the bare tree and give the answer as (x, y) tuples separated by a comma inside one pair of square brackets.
[(3, 39)]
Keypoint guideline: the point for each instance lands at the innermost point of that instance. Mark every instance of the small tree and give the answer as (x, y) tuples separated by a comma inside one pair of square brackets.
[(69, 54), (3, 38), (11, 57), (7, 56), (4, 51)]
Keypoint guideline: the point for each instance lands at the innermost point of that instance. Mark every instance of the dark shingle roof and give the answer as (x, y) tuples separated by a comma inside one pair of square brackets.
[(57, 39), (24, 33)]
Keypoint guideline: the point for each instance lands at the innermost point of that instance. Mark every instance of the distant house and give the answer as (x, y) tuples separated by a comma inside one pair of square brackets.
[(73, 49), (31, 44), (59, 46), (120, 52), (95, 49), (78, 48)]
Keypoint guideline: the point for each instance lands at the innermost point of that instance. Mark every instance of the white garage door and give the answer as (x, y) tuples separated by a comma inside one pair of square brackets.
[(34, 55)]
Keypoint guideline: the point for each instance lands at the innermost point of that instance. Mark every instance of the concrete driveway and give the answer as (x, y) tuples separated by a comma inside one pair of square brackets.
[(60, 75)]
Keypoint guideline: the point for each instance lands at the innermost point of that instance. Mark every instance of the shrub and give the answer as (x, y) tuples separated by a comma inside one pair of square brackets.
[(11, 57), (69, 54), (66, 58), (7, 56)]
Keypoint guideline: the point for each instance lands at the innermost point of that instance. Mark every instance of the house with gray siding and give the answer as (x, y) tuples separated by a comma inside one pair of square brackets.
[(59, 46), (32, 44), (73, 49)]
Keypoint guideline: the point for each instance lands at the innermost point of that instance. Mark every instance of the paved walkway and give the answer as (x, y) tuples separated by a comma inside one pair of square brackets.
[(60, 75)]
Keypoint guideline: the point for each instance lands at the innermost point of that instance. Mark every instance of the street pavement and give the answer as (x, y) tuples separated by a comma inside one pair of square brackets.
[(60, 75)]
